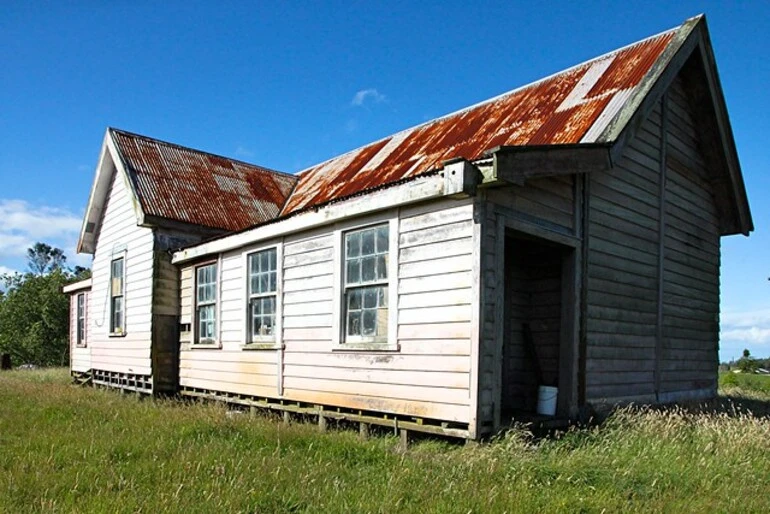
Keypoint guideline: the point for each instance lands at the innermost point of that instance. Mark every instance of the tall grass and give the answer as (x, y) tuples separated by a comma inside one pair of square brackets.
[(70, 449)]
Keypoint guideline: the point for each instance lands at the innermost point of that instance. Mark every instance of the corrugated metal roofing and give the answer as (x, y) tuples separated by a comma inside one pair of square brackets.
[(573, 106), (191, 186)]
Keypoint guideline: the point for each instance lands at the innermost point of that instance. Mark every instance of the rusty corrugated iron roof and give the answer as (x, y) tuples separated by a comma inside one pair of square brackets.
[(570, 107), (182, 184)]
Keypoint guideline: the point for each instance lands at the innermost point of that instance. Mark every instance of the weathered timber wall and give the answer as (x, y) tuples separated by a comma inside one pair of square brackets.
[(689, 353), (653, 267), (541, 208), (427, 376)]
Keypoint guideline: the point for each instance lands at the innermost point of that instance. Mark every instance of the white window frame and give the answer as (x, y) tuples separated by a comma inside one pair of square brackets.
[(213, 342), (274, 340), (385, 343), (117, 331), (80, 320)]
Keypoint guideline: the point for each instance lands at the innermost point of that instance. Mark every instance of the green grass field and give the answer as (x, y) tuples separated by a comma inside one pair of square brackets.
[(70, 449)]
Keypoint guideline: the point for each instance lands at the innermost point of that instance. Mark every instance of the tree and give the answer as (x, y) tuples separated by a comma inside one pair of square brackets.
[(34, 319), (747, 364), (34, 314), (44, 259)]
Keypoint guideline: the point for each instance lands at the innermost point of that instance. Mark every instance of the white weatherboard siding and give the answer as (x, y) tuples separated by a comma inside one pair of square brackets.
[(80, 356), (118, 235), (429, 376)]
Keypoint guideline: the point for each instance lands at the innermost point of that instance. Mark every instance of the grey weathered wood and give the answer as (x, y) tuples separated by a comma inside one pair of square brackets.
[(661, 241)]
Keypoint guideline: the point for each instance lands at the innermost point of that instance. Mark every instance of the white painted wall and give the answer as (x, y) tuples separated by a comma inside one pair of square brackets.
[(428, 376), (80, 356), (119, 232)]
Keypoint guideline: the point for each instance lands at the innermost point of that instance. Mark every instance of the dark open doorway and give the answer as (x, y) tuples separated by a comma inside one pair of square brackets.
[(534, 324)]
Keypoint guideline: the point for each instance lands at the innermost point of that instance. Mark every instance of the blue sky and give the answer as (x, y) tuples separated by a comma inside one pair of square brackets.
[(289, 84)]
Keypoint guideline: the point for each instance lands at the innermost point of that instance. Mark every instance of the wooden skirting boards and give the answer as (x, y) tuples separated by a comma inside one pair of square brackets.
[(123, 381), (401, 425)]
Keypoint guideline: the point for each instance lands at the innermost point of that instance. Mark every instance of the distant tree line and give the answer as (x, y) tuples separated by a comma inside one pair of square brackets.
[(34, 313), (747, 363)]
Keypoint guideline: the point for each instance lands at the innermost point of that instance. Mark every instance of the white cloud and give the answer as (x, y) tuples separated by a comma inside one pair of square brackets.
[(367, 95), (23, 224), (243, 152), (6, 271), (751, 327)]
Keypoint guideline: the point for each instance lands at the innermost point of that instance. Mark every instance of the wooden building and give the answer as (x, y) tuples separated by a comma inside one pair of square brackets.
[(565, 234)]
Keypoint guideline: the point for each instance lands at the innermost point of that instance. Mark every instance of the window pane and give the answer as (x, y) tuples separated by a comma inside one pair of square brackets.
[(382, 239), (269, 306), (353, 272), (382, 293), (253, 284), (263, 283), (273, 258), (253, 264), (354, 323), (353, 244), (367, 242), (382, 267), (354, 299), (369, 317), (264, 262), (370, 297), (368, 269)]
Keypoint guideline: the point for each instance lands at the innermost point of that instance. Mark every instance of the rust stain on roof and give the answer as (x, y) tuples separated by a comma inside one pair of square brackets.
[(191, 186), (567, 108)]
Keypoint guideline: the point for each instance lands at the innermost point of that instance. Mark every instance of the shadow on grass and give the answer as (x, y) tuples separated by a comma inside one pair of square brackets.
[(734, 403)]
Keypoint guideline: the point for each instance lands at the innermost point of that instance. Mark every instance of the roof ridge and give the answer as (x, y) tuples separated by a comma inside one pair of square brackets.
[(497, 97), (204, 152)]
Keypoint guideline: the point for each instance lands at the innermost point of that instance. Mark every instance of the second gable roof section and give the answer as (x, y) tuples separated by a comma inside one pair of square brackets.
[(572, 107), (179, 184)]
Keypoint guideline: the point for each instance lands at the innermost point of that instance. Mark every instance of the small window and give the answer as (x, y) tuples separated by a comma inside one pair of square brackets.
[(117, 297), (366, 285), (262, 294), (205, 304), (81, 319)]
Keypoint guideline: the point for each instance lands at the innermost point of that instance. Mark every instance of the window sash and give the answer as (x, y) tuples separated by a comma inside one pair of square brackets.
[(262, 313), (206, 322), (116, 277), (205, 304), (117, 293), (366, 284), (263, 275), (262, 287), (81, 319), (367, 256), (116, 306), (366, 312)]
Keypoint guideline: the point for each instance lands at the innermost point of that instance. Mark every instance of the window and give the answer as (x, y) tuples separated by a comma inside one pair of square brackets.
[(262, 294), (81, 319), (117, 297), (205, 304), (366, 285)]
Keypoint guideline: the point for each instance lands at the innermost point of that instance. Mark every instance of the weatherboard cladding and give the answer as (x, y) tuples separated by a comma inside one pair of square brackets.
[(187, 185), (571, 107)]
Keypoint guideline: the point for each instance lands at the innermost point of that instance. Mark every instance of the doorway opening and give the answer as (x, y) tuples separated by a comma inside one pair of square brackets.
[(533, 321)]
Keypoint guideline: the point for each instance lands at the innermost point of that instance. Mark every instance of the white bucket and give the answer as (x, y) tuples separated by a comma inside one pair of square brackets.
[(546, 400)]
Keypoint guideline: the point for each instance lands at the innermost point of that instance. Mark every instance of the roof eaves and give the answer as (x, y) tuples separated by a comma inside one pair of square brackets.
[(127, 174)]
